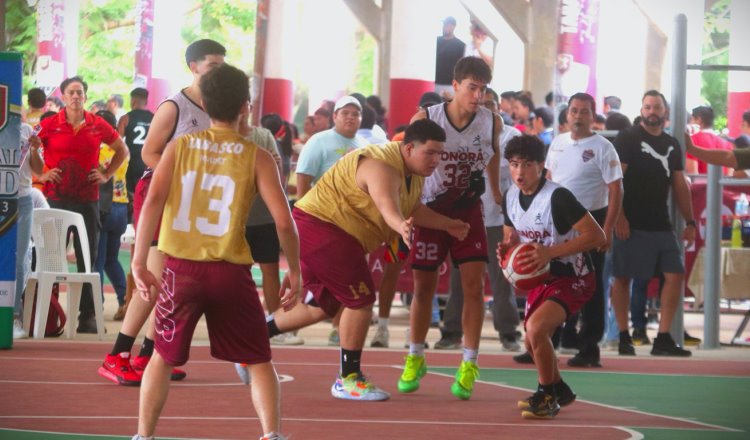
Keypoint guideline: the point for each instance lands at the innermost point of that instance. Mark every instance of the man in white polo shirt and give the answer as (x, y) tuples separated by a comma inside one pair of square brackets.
[(588, 165)]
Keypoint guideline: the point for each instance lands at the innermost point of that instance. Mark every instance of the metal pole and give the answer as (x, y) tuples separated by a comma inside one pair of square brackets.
[(712, 259), (677, 118)]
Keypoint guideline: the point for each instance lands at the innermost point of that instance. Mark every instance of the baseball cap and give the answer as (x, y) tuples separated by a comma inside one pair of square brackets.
[(429, 99), (742, 141), (346, 100)]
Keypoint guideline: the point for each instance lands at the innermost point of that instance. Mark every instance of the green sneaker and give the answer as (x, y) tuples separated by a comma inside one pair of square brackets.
[(467, 373), (414, 370)]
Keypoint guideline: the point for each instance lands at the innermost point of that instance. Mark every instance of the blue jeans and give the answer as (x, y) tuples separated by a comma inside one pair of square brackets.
[(113, 226), (23, 239)]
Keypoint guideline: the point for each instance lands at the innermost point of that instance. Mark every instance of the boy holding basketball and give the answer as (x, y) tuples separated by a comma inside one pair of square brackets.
[(561, 231)]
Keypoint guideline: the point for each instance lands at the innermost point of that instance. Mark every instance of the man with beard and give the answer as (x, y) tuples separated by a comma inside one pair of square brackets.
[(645, 242)]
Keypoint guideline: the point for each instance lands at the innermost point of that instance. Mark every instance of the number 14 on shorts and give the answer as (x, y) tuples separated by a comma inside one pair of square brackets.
[(361, 290)]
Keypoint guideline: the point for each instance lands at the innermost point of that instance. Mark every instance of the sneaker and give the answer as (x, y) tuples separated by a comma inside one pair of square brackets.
[(140, 437), (380, 340), (640, 337), (274, 436), (18, 331), (120, 313), (564, 349), (584, 361), (408, 340), (243, 372), (610, 345), (333, 338), (524, 358), (448, 343), (140, 362), (287, 339), (565, 396), (357, 387), (87, 325), (691, 341), (625, 347), (466, 375), (118, 369), (414, 370), (541, 406), (664, 345), (510, 342)]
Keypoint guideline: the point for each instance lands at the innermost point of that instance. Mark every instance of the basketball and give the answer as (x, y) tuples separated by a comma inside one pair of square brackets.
[(522, 277)]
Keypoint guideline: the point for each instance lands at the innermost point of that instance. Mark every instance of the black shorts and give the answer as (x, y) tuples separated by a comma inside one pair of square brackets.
[(264, 243)]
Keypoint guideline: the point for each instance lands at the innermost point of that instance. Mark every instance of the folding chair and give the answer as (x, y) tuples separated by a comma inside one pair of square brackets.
[(49, 230)]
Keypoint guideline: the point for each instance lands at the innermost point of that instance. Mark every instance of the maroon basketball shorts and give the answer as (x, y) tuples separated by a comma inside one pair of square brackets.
[(429, 247), (333, 263), (570, 292), (139, 198), (226, 294)]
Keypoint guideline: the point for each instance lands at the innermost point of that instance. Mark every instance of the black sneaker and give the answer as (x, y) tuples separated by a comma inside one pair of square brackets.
[(524, 358), (625, 347), (581, 360), (565, 396), (87, 325), (691, 341), (664, 345), (541, 406), (640, 337)]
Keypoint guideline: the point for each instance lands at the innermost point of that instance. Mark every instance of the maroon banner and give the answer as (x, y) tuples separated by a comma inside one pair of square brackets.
[(576, 48), (53, 43)]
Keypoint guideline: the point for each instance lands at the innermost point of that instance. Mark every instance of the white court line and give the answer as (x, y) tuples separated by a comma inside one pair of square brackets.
[(282, 378), (604, 405)]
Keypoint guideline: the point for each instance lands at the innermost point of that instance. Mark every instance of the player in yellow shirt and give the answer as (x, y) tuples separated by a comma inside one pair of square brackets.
[(368, 197), (205, 183)]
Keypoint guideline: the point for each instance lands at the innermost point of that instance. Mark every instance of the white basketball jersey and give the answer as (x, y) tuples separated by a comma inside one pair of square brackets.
[(459, 178), (191, 117), (536, 225)]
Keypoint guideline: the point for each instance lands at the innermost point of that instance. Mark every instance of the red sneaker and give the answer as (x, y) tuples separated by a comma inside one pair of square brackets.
[(140, 362), (117, 368)]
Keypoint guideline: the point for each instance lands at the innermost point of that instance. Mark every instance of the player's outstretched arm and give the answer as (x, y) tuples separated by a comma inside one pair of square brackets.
[(382, 182), (150, 214), (493, 166), (162, 127), (717, 157), (268, 182), (427, 218)]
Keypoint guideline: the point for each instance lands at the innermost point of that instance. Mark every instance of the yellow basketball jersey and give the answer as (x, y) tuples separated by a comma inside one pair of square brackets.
[(337, 199), (213, 186)]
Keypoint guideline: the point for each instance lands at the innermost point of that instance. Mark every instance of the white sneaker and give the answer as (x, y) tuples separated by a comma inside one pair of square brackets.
[(381, 338), (243, 372), (357, 387), (610, 345), (274, 436), (510, 343), (287, 339), (18, 331)]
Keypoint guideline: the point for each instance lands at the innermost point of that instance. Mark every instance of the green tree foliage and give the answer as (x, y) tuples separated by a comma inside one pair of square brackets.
[(363, 81), (107, 37), (716, 51)]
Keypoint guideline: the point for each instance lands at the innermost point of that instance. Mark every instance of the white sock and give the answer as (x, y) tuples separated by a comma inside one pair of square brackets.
[(383, 323), (416, 349), (471, 355), (269, 317)]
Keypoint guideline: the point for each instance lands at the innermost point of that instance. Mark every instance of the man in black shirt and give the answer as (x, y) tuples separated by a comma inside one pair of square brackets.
[(449, 50), (645, 243), (133, 126)]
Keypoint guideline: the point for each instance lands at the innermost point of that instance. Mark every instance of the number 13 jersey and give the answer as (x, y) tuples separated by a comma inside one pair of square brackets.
[(213, 185), (459, 179)]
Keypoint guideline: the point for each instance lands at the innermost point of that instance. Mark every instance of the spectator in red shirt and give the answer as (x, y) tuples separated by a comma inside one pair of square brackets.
[(71, 141), (705, 136)]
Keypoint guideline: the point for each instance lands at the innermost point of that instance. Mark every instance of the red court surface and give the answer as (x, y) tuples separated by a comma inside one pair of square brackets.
[(53, 386)]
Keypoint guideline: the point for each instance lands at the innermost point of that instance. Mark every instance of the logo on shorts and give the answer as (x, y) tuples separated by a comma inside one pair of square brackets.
[(163, 323), (587, 155)]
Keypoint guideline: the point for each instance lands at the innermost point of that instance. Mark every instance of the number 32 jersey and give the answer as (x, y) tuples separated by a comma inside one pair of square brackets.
[(458, 181), (213, 185)]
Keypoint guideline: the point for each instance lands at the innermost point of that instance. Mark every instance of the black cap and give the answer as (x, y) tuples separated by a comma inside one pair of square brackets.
[(742, 141), (430, 98)]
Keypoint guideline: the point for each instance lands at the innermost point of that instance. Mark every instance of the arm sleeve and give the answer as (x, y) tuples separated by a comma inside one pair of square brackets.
[(566, 210), (675, 157), (621, 143), (610, 164), (309, 159)]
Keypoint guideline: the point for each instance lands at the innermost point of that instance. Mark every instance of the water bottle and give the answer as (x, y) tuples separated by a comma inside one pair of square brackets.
[(741, 206)]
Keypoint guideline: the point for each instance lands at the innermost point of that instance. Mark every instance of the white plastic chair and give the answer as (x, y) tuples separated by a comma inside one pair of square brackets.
[(49, 230)]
